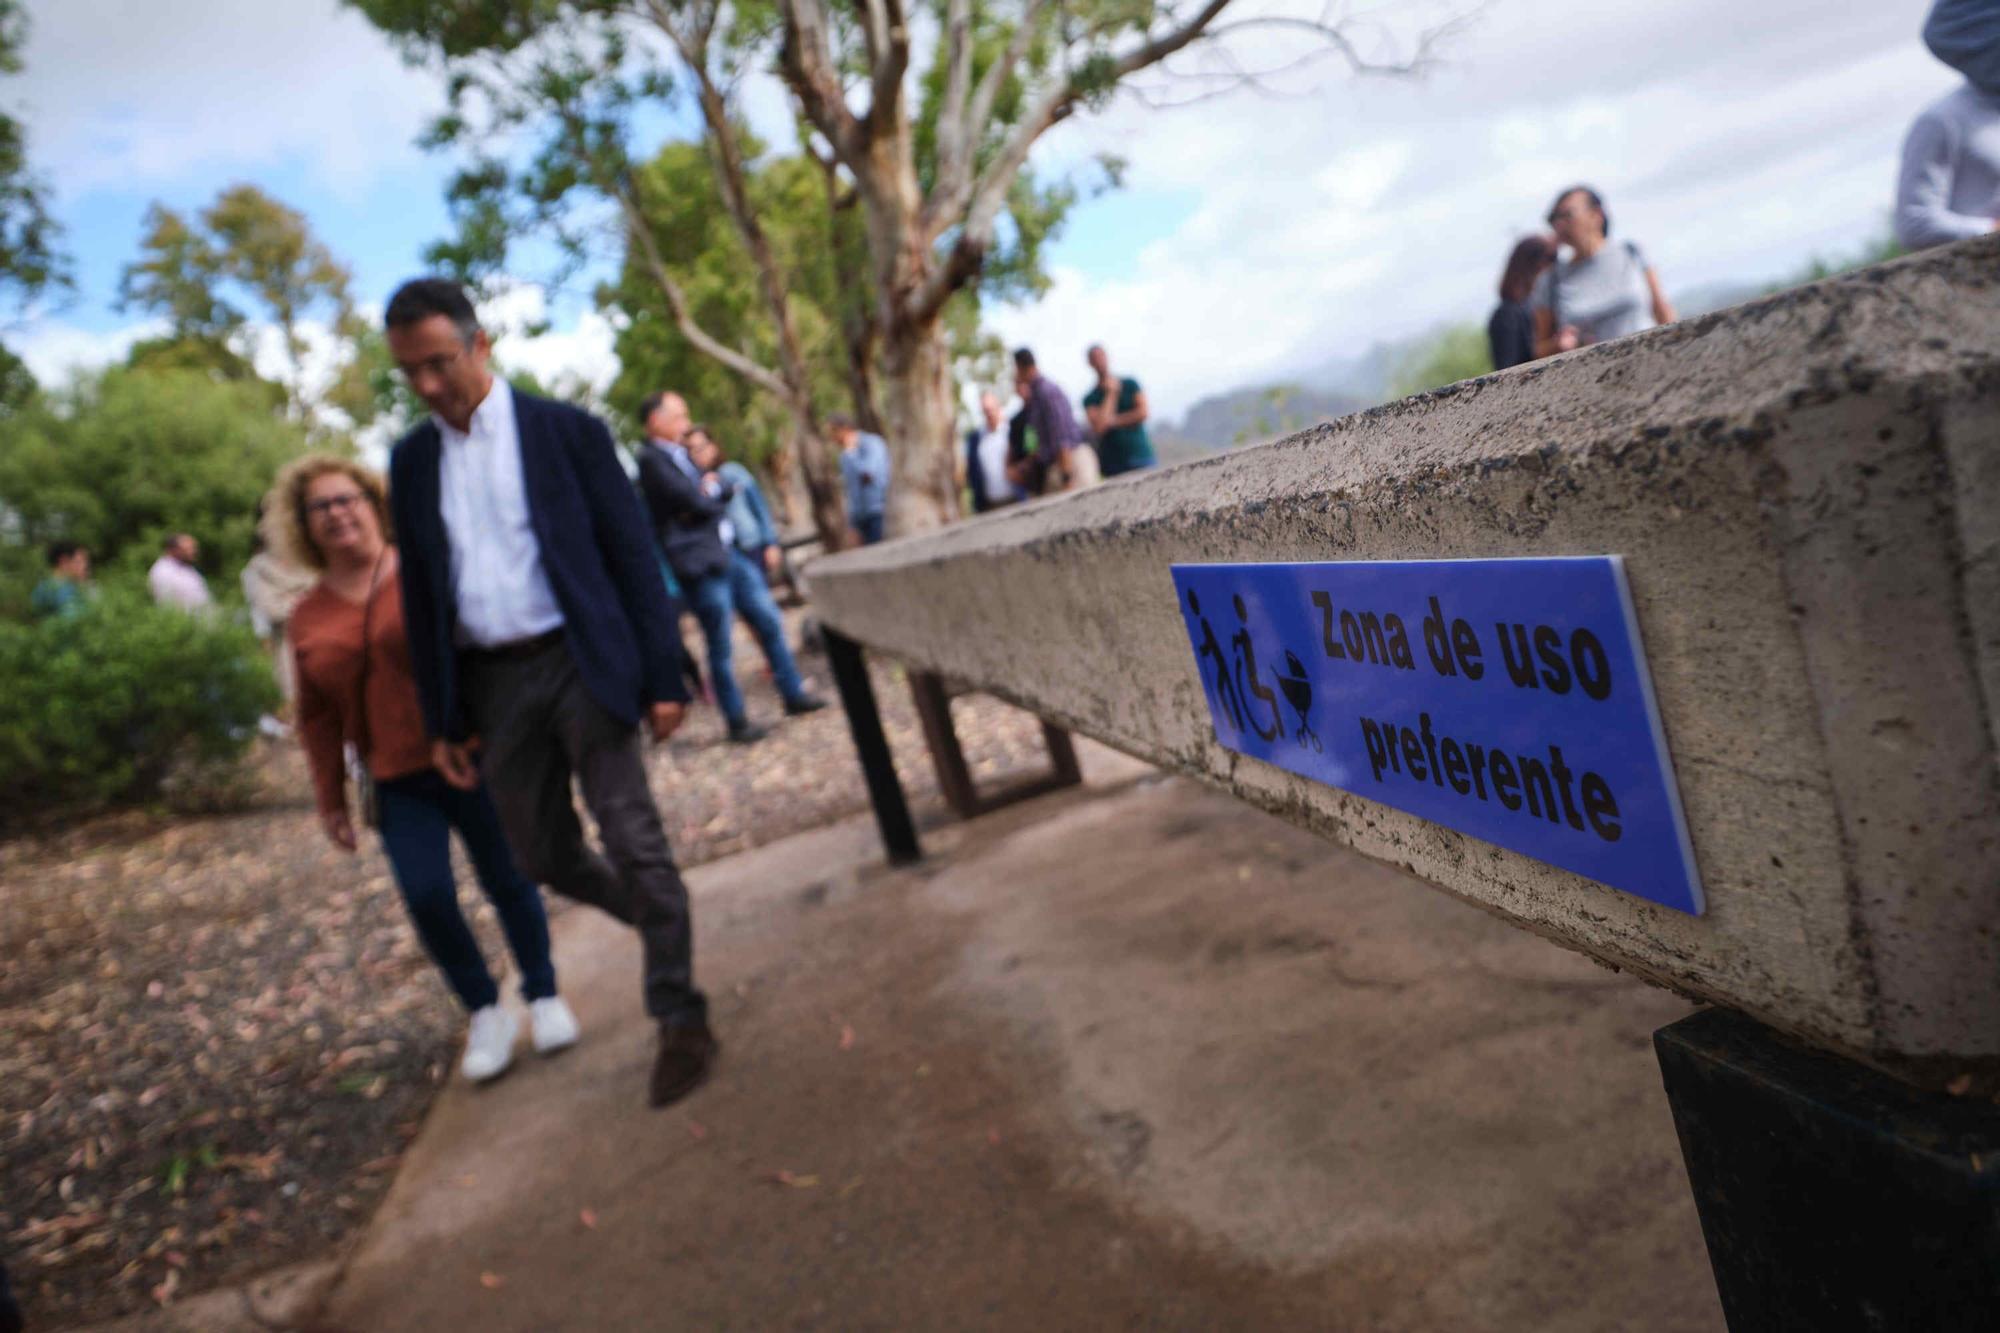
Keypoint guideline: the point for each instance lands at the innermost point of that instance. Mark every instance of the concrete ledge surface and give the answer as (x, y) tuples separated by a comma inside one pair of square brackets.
[(1807, 492)]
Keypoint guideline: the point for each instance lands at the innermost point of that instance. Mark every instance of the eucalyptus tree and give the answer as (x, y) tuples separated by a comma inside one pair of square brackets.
[(922, 121)]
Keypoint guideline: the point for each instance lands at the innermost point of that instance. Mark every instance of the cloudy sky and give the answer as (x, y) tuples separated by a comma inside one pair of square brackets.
[(1257, 236)]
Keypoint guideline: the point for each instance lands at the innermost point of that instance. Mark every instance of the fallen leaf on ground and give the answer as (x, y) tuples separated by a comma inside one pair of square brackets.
[(697, 1130), (795, 1181), (492, 1281), (163, 1291), (846, 1037), (588, 1218)]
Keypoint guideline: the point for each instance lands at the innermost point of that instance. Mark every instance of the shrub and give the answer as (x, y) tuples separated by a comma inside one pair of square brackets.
[(1445, 357), (120, 460), (109, 705)]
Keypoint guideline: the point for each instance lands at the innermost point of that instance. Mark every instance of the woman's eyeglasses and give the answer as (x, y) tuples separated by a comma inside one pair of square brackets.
[(333, 503)]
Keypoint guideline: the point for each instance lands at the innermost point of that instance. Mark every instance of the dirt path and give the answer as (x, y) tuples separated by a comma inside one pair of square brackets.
[(217, 1035), (1138, 1060)]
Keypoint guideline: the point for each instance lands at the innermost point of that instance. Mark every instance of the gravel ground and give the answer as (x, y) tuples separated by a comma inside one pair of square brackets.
[(217, 1034)]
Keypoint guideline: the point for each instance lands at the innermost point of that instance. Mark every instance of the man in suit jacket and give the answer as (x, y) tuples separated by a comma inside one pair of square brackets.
[(690, 512), (540, 638), (988, 450)]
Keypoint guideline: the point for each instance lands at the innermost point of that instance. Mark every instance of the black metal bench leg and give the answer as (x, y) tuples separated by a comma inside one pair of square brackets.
[(1832, 1196), (878, 766)]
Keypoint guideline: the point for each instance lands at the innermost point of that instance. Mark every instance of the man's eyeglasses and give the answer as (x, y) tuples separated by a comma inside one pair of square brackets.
[(436, 365), (1563, 215), (333, 503)]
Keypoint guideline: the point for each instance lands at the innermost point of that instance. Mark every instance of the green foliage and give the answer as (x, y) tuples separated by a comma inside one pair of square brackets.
[(1880, 250), (562, 77), (111, 704), (210, 357), (175, 278), (1280, 409), (369, 388), (121, 461), (687, 219), (31, 259), (247, 254), (1451, 355), (17, 384)]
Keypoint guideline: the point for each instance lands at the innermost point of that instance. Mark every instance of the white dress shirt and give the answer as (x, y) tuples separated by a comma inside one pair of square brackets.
[(992, 455), (497, 580), (176, 584), (679, 453)]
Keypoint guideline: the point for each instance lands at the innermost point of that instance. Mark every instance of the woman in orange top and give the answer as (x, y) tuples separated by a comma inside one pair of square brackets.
[(331, 515)]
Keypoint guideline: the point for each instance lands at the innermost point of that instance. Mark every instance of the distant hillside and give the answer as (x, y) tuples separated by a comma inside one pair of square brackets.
[(1349, 384), (1249, 416)]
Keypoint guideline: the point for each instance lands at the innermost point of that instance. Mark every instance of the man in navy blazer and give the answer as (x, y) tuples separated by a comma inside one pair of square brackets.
[(540, 637), (689, 508)]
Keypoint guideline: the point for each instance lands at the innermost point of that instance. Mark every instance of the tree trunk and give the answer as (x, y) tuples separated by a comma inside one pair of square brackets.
[(920, 426), (826, 504), (860, 341)]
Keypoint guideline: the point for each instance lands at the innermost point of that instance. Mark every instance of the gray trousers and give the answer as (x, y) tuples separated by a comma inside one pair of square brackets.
[(538, 727)]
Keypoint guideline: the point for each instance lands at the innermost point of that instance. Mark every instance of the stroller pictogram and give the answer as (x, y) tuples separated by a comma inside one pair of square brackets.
[(1299, 694)]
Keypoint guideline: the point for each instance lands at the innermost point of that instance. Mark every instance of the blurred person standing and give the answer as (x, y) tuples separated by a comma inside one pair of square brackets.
[(356, 688), (65, 589), (1949, 185), (1603, 290), (865, 468), (1116, 410), (1510, 333), (538, 629), (174, 580), (272, 587), (754, 557), (689, 512), (983, 467), (689, 509), (1056, 458)]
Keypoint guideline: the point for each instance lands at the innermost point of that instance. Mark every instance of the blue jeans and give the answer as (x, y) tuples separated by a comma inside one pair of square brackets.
[(742, 591), (870, 528), (417, 816)]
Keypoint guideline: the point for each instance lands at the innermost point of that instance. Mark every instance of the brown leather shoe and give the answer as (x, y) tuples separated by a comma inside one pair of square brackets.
[(687, 1053)]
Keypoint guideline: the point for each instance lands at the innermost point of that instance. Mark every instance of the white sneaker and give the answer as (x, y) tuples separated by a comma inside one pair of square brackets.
[(552, 1024), (489, 1045)]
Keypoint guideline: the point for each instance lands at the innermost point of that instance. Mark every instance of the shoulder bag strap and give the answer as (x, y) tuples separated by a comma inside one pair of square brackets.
[(361, 738)]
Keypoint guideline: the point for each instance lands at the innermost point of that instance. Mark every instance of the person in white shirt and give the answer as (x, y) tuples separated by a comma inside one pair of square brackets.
[(983, 468), (540, 638), (174, 580), (1949, 186)]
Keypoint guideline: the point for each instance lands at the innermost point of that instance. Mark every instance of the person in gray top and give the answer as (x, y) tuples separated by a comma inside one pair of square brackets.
[(1949, 186), (1602, 290)]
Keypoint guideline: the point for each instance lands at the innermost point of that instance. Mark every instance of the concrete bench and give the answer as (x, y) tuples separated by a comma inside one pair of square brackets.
[(1806, 494)]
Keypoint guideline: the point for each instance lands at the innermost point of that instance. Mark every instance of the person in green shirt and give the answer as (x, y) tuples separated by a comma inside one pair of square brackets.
[(1116, 410), (67, 586)]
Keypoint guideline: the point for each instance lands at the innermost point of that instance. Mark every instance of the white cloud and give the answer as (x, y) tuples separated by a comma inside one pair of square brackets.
[(1732, 140), (581, 354), (124, 92), (56, 351)]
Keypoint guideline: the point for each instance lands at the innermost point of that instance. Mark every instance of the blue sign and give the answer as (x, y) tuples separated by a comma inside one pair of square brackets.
[(1508, 699)]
